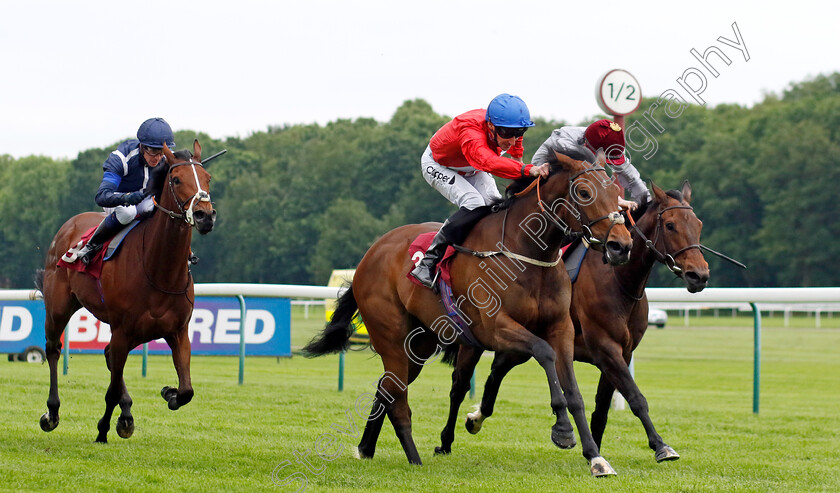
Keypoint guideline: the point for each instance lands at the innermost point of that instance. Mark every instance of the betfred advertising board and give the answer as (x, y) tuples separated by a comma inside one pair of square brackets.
[(214, 328)]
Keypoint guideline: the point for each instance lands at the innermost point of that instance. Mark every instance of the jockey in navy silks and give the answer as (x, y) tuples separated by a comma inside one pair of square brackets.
[(134, 172)]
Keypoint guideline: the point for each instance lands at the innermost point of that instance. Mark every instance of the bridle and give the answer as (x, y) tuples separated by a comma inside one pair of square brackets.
[(586, 228), (187, 213), (586, 231), (667, 258)]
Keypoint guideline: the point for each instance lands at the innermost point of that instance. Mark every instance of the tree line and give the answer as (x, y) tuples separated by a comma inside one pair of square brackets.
[(295, 202)]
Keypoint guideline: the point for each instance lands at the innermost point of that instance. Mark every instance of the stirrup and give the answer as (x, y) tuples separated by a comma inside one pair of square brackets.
[(72, 254), (434, 280), (88, 256)]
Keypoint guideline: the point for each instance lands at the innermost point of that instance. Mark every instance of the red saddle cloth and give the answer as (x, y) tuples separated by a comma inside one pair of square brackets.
[(94, 268), (417, 250)]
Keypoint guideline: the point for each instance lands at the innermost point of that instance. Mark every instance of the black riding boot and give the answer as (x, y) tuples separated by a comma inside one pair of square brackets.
[(425, 272), (106, 230), (454, 230)]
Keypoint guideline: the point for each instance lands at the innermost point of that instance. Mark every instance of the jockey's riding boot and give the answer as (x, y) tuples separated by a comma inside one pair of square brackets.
[(425, 271), (453, 231), (104, 232)]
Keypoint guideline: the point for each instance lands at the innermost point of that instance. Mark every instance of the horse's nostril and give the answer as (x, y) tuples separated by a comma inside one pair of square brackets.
[(696, 278), (614, 246)]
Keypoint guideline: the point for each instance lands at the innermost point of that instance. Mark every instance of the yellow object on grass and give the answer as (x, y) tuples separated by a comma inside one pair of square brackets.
[(340, 277)]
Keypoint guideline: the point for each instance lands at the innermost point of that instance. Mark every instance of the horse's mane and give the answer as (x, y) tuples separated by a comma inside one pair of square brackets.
[(643, 207), (183, 154), (579, 153)]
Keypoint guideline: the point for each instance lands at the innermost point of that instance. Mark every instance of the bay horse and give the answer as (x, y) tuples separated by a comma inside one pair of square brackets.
[(145, 292), (609, 310), (518, 301)]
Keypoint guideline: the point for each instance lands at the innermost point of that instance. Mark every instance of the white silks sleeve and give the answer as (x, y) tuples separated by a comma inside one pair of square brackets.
[(629, 178)]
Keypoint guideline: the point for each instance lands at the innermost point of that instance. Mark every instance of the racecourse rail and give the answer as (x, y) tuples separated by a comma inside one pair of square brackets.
[(753, 296)]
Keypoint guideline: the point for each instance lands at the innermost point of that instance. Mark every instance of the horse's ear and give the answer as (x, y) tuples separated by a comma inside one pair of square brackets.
[(197, 151), (564, 161), (659, 194), (170, 158), (686, 192), (601, 158)]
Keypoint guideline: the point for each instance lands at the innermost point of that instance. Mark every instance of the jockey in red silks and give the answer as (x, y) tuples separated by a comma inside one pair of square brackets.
[(460, 162)]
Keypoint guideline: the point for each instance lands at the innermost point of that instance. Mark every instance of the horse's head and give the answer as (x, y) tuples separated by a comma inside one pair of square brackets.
[(188, 182), (590, 200), (676, 240)]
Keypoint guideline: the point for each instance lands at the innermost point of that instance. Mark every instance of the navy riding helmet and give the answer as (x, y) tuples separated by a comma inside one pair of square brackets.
[(154, 132)]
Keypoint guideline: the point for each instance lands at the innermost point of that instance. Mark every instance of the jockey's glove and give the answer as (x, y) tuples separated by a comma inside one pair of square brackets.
[(132, 198)]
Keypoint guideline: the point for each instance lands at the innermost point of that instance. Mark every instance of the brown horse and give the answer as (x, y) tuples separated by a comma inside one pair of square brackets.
[(145, 292), (609, 310), (518, 301)]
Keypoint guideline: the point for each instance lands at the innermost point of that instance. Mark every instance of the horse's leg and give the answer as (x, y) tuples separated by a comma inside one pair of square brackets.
[(502, 364), (511, 336), (180, 345), (117, 354), (603, 400), (598, 466), (465, 363), (614, 366), (59, 305), (373, 426), (53, 329), (367, 445), (125, 423)]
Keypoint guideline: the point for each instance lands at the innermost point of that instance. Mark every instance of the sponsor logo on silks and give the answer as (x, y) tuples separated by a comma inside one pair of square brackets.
[(437, 175)]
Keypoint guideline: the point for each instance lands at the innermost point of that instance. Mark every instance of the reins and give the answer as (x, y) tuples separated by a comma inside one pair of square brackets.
[(585, 233), (149, 279)]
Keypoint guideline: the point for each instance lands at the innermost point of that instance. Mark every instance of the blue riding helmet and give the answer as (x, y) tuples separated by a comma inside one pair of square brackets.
[(508, 111), (154, 132)]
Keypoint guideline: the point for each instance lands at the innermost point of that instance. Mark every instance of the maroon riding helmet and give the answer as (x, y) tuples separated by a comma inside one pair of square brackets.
[(609, 136)]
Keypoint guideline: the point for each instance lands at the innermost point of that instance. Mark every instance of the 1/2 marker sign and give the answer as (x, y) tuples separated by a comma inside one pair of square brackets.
[(618, 93)]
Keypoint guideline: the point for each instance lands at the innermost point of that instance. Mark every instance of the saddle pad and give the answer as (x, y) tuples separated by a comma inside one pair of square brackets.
[(108, 250), (573, 255), (417, 250)]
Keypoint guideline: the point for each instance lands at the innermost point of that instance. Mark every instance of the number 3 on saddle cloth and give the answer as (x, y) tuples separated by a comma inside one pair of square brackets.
[(573, 255), (108, 250)]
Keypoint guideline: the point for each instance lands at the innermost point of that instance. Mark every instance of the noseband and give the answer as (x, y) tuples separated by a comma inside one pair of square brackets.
[(200, 196)]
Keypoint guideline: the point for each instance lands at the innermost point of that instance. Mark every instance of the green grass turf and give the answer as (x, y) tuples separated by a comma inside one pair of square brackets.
[(697, 380)]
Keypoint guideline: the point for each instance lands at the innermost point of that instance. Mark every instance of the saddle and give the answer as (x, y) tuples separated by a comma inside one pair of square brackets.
[(108, 250)]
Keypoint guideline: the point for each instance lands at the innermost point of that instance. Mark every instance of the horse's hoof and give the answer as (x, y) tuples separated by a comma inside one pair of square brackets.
[(168, 392), (102, 438), (442, 451), (47, 424), (125, 427), (599, 467), (563, 440), (170, 395), (474, 422), (358, 454), (666, 453)]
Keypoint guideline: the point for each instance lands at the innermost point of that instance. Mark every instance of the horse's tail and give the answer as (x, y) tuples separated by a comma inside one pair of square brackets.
[(39, 280), (450, 354), (336, 335)]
